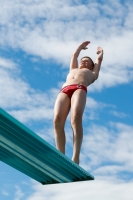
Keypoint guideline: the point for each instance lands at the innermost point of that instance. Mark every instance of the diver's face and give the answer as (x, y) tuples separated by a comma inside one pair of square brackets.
[(85, 63)]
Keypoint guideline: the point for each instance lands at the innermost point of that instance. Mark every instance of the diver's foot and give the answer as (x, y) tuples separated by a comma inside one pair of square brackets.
[(76, 160)]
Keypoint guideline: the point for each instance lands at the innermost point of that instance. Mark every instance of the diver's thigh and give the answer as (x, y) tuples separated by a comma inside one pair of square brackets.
[(62, 106), (78, 102)]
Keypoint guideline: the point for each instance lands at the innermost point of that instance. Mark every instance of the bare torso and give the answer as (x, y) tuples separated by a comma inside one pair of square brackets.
[(79, 76)]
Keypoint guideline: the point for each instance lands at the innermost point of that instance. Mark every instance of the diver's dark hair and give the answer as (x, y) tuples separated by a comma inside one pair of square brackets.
[(89, 58)]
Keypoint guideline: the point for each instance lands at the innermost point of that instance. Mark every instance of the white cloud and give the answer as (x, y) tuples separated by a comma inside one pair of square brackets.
[(93, 107), (118, 114), (5, 193), (18, 193), (47, 134), (5, 63), (91, 103), (106, 150), (33, 113), (97, 189), (22, 101)]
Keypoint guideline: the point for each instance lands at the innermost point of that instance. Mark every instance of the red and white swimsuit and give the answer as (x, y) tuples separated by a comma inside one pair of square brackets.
[(70, 89)]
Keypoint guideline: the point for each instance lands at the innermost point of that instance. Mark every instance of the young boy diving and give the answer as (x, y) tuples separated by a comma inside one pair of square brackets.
[(73, 96)]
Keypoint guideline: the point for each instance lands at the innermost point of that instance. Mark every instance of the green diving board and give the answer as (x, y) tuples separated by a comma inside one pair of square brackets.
[(25, 151)]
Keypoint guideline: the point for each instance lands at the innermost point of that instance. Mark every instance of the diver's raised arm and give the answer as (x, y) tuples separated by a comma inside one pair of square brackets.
[(74, 58), (98, 62)]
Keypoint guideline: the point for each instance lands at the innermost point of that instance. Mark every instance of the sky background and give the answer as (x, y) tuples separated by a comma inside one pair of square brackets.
[(37, 39)]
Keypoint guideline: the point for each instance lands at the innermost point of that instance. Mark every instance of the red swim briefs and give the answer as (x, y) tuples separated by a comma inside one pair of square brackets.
[(70, 89)]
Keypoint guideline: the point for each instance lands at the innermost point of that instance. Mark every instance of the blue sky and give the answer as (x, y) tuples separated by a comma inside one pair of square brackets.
[(37, 39)]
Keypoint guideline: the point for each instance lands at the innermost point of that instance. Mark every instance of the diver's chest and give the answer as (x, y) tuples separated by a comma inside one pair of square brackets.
[(78, 73), (82, 73)]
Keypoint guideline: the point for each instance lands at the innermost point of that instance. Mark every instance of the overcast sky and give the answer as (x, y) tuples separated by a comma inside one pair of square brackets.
[(37, 39)]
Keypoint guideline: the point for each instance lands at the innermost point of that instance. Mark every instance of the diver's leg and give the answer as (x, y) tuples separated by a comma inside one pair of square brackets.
[(61, 110), (78, 102)]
